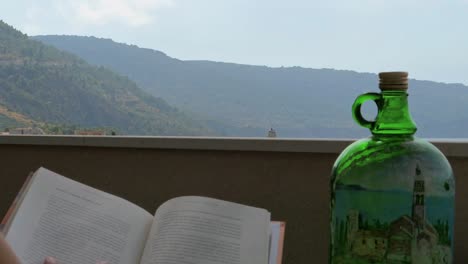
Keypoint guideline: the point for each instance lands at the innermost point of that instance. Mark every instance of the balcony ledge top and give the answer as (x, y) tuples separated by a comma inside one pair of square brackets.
[(450, 147)]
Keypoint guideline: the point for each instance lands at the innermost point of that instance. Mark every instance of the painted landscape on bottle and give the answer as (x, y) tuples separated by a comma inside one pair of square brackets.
[(392, 226)]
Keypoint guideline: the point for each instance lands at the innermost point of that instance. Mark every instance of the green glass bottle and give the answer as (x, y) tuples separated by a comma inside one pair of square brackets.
[(392, 194)]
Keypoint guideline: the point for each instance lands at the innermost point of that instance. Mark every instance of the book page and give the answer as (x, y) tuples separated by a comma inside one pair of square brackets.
[(76, 224), (199, 230)]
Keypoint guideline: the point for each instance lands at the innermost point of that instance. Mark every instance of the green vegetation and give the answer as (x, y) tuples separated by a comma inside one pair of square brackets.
[(442, 228), (340, 243), (7, 122), (55, 87)]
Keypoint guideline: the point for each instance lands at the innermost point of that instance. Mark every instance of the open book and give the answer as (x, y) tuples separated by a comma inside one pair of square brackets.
[(75, 223)]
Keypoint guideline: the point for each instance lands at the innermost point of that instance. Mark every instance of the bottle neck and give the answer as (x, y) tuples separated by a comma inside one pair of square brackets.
[(394, 117)]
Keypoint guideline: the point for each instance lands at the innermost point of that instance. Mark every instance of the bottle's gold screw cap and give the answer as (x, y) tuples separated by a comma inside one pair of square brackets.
[(393, 81)]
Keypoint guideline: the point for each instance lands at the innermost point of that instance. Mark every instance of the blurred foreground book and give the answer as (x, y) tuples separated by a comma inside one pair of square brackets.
[(56, 216)]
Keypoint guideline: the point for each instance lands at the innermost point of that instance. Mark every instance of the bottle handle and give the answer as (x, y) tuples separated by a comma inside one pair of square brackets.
[(376, 97)]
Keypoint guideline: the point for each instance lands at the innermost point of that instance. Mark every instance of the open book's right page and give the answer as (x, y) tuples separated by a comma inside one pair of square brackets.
[(200, 230)]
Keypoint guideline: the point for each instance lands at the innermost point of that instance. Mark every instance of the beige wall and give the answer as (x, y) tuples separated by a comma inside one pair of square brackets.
[(292, 185)]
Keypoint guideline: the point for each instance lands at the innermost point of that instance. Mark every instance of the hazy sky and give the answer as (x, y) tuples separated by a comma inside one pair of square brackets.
[(428, 38)]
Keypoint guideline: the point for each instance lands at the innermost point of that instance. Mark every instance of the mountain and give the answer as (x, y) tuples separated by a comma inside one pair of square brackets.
[(297, 102), (40, 84)]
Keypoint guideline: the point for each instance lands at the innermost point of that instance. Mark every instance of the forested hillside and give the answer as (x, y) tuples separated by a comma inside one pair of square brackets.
[(297, 102), (51, 86)]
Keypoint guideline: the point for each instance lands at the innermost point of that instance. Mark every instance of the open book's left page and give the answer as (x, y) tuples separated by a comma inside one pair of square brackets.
[(76, 224)]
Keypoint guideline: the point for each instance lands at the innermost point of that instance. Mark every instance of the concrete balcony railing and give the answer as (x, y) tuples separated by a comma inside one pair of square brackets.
[(288, 177)]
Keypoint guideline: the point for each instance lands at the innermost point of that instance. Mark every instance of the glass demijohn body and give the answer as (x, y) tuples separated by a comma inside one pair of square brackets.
[(392, 194)]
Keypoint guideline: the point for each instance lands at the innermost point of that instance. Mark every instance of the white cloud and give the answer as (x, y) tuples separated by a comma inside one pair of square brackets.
[(77, 15), (99, 12)]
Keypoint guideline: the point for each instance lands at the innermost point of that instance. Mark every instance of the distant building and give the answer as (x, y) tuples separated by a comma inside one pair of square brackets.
[(272, 133), (26, 131)]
